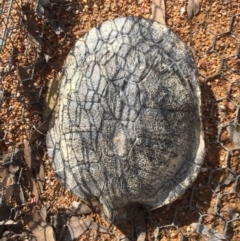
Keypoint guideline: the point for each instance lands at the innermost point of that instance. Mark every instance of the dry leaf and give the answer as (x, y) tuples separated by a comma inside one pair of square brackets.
[(5, 212), (11, 236), (57, 24), (29, 161), (97, 227), (41, 6), (33, 29), (40, 178), (234, 130), (42, 62), (76, 227), (44, 8), (40, 130), (7, 222), (226, 181), (6, 180), (51, 100), (211, 234), (18, 194), (33, 188), (29, 88), (8, 192), (1, 97), (28, 155), (80, 208), (10, 225), (39, 227), (61, 217), (13, 168), (43, 213), (14, 158)]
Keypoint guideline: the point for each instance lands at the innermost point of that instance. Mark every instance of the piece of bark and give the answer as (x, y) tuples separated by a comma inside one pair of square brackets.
[(6, 180), (158, 11), (193, 8), (29, 158)]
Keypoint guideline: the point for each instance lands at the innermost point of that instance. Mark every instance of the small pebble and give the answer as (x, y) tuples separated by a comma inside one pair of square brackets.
[(222, 107), (174, 234), (183, 10), (224, 136), (231, 106), (75, 204), (189, 229)]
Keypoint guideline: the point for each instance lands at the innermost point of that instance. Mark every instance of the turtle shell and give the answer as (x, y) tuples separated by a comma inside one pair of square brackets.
[(127, 129)]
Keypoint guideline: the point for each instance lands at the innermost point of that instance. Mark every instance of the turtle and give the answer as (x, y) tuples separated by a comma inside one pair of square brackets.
[(127, 129)]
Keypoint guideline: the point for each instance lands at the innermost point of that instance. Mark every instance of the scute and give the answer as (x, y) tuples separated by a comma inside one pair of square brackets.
[(121, 101), (128, 129)]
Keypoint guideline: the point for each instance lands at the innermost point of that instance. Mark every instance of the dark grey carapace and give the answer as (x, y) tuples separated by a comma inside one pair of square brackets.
[(128, 129)]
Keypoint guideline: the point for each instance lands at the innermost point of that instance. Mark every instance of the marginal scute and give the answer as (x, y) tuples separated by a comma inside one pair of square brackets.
[(92, 177), (128, 127), (79, 51), (84, 141), (151, 32), (92, 40), (174, 47), (126, 26), (108, 31)]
